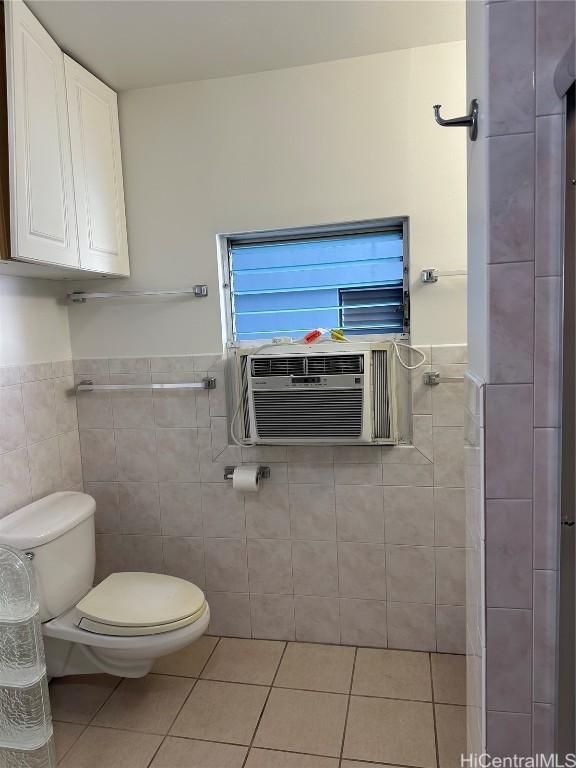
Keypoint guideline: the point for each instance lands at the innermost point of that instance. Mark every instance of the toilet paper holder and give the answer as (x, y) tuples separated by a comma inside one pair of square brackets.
[(262, 472)]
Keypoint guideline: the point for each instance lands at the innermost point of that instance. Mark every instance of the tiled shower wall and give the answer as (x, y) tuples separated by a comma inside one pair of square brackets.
[(358, 545), (520, 153), (39, 444), (474, 458)]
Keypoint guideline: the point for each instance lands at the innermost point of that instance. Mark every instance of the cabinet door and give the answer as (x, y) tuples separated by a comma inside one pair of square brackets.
[(97, 168), (42, 210)]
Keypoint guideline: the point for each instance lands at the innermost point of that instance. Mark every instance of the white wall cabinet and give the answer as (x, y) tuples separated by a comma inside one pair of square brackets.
[(66, 194), (97, 169), (42, 210)]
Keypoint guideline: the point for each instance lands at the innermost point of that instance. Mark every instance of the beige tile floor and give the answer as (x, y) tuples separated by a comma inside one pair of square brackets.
[(230, 703)]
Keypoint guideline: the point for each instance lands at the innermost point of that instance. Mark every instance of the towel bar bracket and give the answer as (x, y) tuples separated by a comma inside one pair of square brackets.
[(432, 275), (433, 378), (429, 276)]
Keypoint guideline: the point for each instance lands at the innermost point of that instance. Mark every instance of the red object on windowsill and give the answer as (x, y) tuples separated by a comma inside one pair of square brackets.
[(313, 336)]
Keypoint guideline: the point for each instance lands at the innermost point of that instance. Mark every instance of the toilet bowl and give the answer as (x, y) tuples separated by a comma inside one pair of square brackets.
[(122, 625), (71, 650)]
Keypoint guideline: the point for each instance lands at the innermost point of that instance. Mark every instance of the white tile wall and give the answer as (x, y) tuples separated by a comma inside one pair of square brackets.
[(351, 544), (39, 443)]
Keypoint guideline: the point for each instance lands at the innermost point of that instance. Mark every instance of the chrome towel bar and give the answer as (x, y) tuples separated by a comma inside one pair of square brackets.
[(79, 297), (432, 378), (89, 386)]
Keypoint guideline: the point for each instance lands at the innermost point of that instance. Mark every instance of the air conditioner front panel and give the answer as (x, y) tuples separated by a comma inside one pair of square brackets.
[(330, 395), (322, 399)]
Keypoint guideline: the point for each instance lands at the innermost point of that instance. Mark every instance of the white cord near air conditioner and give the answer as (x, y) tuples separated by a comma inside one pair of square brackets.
[(235, 440), (397, 344)]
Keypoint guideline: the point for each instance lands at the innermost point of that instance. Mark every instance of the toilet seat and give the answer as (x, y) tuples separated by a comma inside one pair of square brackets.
[(134, 604), (100, 628)]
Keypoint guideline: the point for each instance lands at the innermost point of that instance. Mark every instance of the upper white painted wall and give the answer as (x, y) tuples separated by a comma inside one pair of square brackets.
[(33, 321), (339, 141)]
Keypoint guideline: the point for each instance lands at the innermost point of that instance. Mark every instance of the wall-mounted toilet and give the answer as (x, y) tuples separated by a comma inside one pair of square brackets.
[(122, 625)]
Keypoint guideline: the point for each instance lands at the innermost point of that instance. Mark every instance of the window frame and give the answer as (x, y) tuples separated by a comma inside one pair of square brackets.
[(224, 247)]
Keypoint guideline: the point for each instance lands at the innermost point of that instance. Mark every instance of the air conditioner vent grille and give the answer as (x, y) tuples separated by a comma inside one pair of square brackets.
[(313, 365), (244, 396), (278, 366), (380, 394), (327, 365), (309, 414)]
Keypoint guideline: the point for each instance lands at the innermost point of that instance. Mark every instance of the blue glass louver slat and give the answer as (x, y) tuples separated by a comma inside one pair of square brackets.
[(363, 273), (270, 302), (330, 250), (327, 318)]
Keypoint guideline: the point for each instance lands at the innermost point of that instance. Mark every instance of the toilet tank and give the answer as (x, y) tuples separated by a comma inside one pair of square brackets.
[(57, 534)]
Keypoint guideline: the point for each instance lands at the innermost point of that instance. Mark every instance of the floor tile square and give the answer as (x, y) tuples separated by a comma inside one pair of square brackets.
[(451, 729), (244, 661), (107, 748), (65, 734), (187, 753), (188, 662), (393, 674), (449, 677), (148, 704), (303, 721), (314, 667), (267, 758), (221, 712), (77, 698), (390, 731)]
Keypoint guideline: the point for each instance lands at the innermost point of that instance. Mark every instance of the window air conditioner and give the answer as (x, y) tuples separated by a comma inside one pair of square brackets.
[(323, 394)]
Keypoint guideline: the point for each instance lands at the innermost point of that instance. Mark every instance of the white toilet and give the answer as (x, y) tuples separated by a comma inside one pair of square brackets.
[(120, 626)]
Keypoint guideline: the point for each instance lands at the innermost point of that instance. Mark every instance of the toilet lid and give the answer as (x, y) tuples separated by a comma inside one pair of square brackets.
[(141, 600)]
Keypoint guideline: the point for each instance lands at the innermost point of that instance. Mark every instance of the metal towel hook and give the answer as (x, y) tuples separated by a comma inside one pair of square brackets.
[(470, 120)]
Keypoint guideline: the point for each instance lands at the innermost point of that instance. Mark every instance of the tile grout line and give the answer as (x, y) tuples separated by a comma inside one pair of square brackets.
[(118, 683), (434, 710), (265, 704), (63, 755), (85, 726), (315, 690), (165, 736), (348, 701)]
